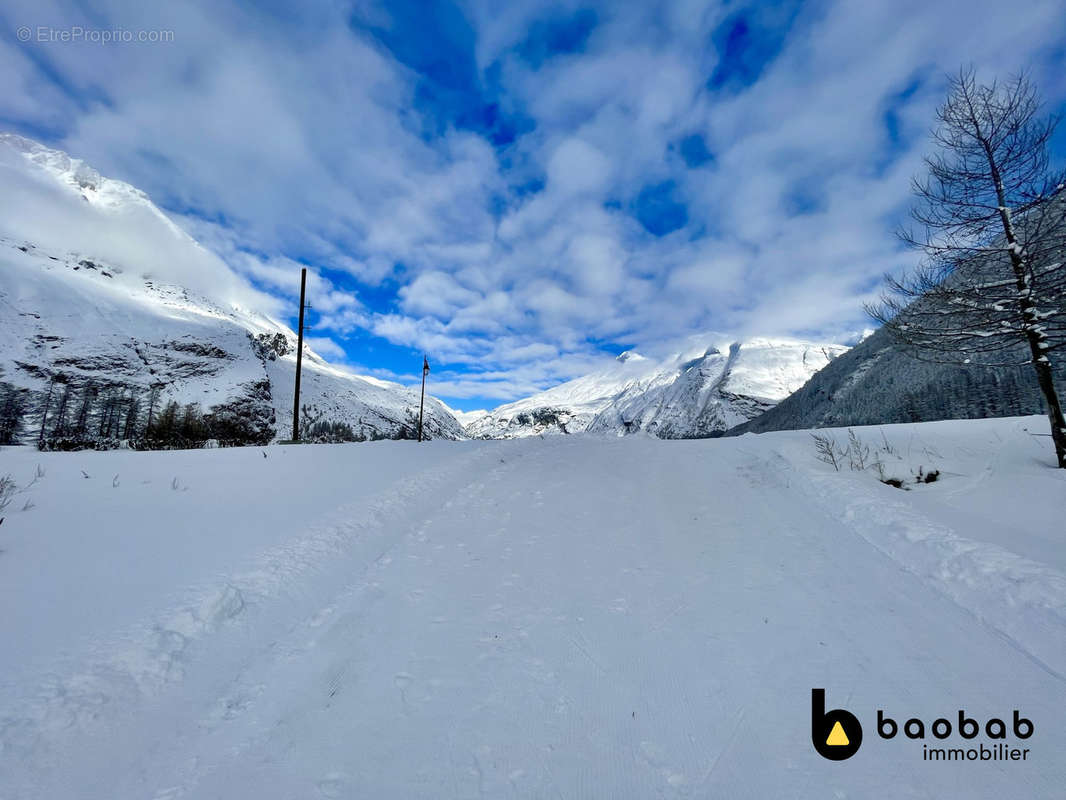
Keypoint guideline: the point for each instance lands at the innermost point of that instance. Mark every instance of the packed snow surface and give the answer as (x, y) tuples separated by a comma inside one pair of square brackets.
[(562, 617)]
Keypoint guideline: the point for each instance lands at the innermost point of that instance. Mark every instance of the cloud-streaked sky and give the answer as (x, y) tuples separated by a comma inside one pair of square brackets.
[(524, 189)]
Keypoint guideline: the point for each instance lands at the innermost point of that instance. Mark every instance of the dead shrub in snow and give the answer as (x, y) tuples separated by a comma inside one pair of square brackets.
[(858, 452), (37, 475), (827, 450), (7, 491), (859, 456), (856, 455)]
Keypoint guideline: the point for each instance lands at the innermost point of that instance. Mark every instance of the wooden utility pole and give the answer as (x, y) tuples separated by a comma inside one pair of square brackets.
[(299, 359), (422, 403)]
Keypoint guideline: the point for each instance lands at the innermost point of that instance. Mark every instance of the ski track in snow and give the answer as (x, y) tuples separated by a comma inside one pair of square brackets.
[(142, 662), (570, 618), (1022, 600)]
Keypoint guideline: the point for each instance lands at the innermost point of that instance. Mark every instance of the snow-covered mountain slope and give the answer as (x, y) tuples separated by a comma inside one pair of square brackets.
[(92, 301), (877, 382), (693, 393), (467, 417)]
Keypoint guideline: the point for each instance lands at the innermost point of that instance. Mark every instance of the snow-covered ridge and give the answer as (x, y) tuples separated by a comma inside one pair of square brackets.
[(93, 293), (93, 187), (691, 393), (467, 417)]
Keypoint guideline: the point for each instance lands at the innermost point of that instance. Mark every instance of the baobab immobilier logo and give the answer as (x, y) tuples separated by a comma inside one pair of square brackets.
[(837, 734)]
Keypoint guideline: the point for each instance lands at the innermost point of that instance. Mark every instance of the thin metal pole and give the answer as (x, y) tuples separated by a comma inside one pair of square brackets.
[(422, 402), (299, 360)]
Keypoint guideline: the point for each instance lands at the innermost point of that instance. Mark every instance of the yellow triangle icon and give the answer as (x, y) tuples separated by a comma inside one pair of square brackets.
[(837, 737)]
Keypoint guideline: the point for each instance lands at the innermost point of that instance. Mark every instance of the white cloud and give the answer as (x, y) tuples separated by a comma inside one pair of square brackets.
[(435, 294), (577, 167), (327, 348)]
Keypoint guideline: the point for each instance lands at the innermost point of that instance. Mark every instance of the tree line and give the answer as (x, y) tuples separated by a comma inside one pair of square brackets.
[(73, 414), (76, 414), (315, 428)]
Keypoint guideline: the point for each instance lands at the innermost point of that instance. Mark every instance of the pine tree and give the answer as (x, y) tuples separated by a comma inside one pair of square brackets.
[(991, 218)]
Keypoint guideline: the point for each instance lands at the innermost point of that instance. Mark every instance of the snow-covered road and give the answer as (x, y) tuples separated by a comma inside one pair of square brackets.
[(570, 617)]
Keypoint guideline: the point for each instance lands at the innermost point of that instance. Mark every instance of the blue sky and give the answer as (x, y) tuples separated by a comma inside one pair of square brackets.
[(522, 190)]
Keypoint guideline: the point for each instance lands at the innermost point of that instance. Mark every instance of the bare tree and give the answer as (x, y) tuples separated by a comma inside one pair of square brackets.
[(44, 415), (59, 423), (133, 410), (991, 225), (13, 403), (153, 398)]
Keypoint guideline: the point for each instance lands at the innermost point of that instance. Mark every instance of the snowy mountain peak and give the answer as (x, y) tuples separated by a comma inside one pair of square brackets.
[(697, 392), (630, 355), (77, 175)]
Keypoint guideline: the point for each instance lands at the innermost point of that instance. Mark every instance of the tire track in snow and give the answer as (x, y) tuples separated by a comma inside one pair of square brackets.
[(125, 674), (338, 627)]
